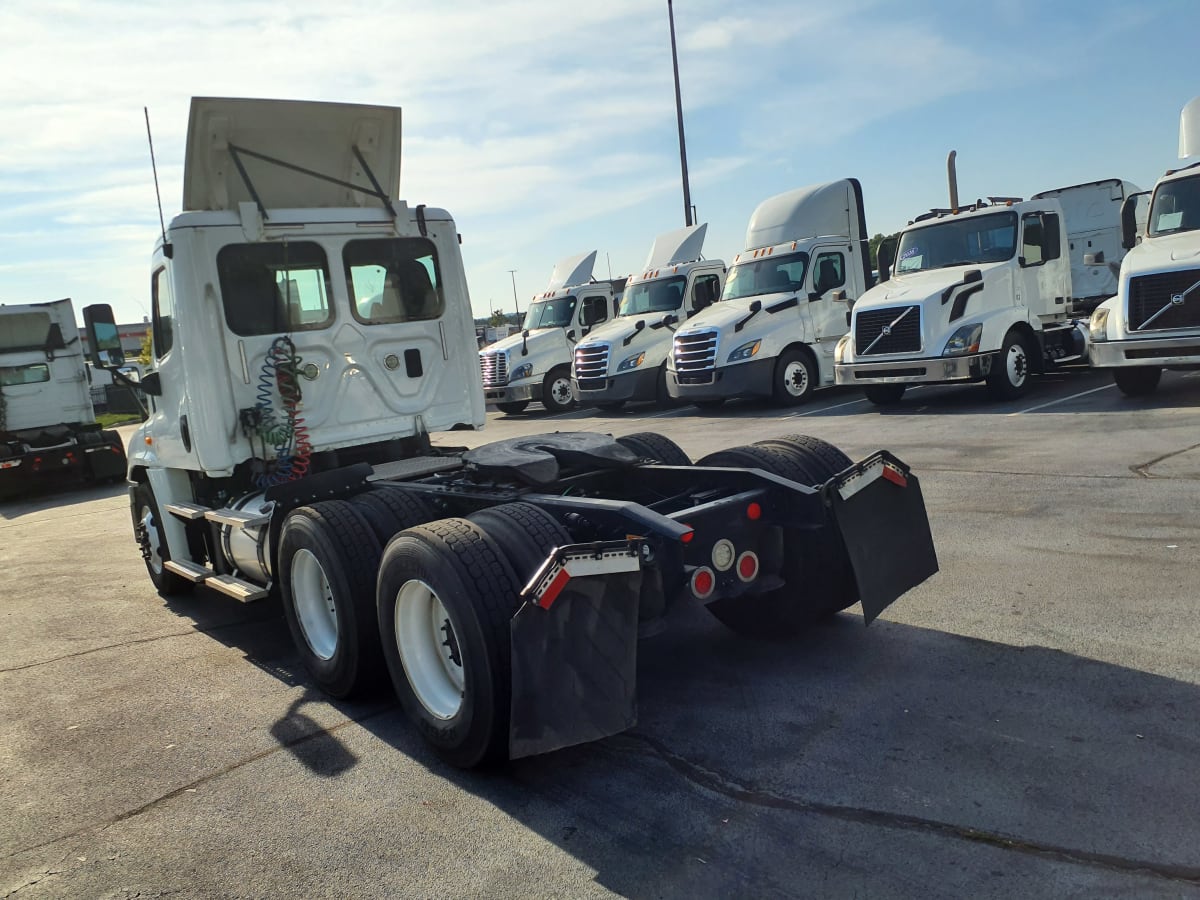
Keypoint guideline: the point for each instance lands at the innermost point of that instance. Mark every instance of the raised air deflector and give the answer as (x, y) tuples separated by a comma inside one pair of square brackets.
[(1189, 129), (306, 137), (818, 210), (572, 270), (679, 246)]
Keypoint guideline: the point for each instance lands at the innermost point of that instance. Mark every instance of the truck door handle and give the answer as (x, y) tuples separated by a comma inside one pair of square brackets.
[(185, 433)]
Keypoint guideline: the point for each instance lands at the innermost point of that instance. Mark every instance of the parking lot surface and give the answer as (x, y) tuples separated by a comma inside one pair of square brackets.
[(1026, 723)]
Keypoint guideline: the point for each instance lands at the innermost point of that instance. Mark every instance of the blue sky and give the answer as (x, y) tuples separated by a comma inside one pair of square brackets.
[(548, 129)]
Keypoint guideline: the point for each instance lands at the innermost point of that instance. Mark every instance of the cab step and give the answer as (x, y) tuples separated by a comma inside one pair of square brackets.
[(237, 518), (188, 570), (244, 591), (188, 511)]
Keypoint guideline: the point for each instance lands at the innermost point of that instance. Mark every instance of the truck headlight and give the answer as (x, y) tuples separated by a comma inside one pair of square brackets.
[(1098, 326), (963, 341), (839, 352), (745, 351), (522, 371), (632, 362)]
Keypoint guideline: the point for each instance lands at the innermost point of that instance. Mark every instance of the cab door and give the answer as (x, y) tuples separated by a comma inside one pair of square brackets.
[(827, 314), (170, 420)]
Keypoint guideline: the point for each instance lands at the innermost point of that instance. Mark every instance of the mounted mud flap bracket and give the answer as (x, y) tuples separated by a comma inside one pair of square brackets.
[(879, 510), (574, 648)]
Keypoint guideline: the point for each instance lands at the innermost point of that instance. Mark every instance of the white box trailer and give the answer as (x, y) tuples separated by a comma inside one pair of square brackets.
[(311, 332)]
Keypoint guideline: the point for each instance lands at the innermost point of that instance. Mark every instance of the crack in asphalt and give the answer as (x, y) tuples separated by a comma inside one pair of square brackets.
[(924, 469), (193, 785), (726, 786), (207, 629), (1143, 468)]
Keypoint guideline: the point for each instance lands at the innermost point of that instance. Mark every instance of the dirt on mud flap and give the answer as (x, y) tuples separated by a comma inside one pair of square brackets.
[(880, 513), (574, 648)]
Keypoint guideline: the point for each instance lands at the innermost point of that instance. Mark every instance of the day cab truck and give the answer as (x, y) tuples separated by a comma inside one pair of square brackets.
[(785, 302), (1153, 323), (48, 429), (626, 359), (500, 589), (535, 364), (981, 292)]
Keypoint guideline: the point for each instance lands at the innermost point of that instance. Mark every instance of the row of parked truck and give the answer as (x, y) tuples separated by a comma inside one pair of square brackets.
[(991, 291)]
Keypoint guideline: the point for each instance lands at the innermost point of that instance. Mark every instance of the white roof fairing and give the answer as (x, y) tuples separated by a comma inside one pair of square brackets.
[(316, 136), (817, 210), (572, 271), (679, 246)]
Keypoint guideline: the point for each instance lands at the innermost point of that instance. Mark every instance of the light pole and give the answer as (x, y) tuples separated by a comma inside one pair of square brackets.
[(687, 193), (516, 306)]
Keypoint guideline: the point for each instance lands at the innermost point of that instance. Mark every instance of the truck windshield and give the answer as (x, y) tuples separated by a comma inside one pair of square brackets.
[(653, 296), (1176, 207), (556, 313), (772, 275), (958, 242)]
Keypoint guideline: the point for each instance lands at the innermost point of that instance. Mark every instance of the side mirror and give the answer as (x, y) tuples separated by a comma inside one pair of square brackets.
[(152, 384), (571, 335), (1129, 222), (1094, 259), (885, 256), (104, 341), (1021, 261), (839, 296), (670, 319), (756, 306)]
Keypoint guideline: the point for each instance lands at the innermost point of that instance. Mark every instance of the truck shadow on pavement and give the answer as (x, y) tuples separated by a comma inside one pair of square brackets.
[(42, 498), (886, 760)]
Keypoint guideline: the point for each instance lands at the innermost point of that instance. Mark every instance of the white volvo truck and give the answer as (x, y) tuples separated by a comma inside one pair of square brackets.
[(1153, 323), (980, 293), (48, 429), (785, 303), (626, 359), (536, 363), (310, 331)]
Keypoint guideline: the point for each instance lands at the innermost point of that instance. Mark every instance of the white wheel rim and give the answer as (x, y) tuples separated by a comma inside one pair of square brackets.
[(560, 390), (1017, 365), (316, 610), (795, 379), (427, 643), (146, 518)]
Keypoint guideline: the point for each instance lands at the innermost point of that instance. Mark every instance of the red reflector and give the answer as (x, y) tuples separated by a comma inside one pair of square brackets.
[(894, 477), (748, 566), (703, 582), (556, 585), (753, 512), (687, 537)]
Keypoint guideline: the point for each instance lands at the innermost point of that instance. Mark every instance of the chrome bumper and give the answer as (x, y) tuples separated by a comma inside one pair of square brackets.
[(1167, 351), (512, 393), (938, 369)]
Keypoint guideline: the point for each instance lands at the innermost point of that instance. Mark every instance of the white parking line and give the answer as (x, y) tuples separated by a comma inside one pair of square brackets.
[(1103, 387), (813, 412)]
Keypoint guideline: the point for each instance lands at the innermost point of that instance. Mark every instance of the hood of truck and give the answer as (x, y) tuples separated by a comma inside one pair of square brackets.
[(1171, 251), (542, 341), (919, 286), (726, 314), (618, 329), (319, 137)]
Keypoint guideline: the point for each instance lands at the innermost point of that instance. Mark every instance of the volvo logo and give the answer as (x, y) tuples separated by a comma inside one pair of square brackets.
[(1177, 299), (887, 329)]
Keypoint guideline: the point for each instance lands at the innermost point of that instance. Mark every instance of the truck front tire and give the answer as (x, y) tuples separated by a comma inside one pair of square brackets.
[(557, 394), (795, 378), (1009, 376), (147, 528), (445, 596), (328, 557), (1137, 381), (884, 394)]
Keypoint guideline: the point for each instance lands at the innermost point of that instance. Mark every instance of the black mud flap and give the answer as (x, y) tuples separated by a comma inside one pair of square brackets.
[(574, 654), (879, 510)]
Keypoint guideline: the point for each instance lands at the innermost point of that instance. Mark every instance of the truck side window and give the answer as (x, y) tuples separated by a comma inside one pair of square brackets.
[(831, 272), (595, 310), (274, 288), (1051, 243), (393, 280), (164, 313), (1031, 242), (705, 291)]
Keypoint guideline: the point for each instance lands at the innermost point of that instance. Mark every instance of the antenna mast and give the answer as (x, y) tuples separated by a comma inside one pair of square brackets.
[(157, 192)]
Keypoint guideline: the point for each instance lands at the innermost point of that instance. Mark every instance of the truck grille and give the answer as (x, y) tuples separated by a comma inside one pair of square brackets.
[(904, 336), (494, 369), (591, 366), (1148, 294), (695, 357)]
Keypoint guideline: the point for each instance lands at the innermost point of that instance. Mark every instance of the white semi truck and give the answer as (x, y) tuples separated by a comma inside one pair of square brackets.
[(48, 429), (310, 332), (626, 359), (536, 363), (980, 292), (785, 303), (1153, 323)]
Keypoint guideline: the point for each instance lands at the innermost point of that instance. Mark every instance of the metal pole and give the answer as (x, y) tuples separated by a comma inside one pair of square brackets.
[(516, 306), (687, 193)]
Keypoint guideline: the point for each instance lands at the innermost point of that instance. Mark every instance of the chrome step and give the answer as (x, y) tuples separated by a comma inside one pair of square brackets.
[(244, 591), (190, 571), (189, 511), (237, 518)]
